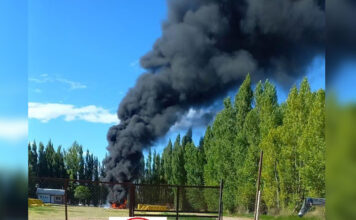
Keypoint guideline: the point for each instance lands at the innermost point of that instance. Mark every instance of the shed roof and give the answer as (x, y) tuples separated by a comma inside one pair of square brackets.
[(54, 192)]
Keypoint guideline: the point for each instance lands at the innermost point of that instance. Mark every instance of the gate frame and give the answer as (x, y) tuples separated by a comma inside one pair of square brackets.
[(177, 211)]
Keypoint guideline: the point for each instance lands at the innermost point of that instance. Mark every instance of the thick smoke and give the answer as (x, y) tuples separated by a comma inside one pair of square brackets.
[(207, 47)]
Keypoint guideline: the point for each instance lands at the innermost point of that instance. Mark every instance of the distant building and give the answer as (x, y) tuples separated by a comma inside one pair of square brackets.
[(55, 196)]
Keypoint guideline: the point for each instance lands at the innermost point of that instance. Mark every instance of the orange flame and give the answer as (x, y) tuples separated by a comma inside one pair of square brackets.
[(119, 206)]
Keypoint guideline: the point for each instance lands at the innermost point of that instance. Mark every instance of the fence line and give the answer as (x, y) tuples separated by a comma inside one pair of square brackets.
[(162, 199)]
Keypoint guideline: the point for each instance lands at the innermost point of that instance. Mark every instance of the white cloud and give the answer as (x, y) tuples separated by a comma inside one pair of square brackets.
[(72, 84), (45, 78), (13, 129), (91, 113)]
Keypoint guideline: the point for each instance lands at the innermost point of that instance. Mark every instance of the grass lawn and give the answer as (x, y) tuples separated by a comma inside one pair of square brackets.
[(56, 212), (287, 218)]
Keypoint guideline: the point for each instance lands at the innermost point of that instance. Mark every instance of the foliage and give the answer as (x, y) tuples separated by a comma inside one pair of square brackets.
[(291, 134), (82, 193), (48, 162)]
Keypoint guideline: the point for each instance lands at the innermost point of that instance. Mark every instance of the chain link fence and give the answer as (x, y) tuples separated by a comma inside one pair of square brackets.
[(67, 199)]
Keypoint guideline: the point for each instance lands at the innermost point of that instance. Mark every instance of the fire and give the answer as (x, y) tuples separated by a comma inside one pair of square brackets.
[(116, 205)]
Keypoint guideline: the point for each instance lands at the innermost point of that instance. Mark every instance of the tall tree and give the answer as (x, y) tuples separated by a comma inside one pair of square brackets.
[(42, 162), (72, 160), (194, 168), (81, 163), (247, 176), (194, 165), (220, 152), (187, 137), (268, 111), (59, 158), (243, 105), (178, 171), (313, 149), (148, 166), (167, 162), (31, 172), (50, 159), (157, 168), (33, 158), (243, 102)]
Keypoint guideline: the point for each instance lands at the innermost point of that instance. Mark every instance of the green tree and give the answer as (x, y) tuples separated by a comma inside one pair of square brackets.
[(178, 171), (50, 159), (248, 172), (81, 171), (82, 193), (148, 166), (61, 171), (243, 105), (33, 158), (220, 151), (269, 116), (187, 137), (157, 168), (294, 121), (243, 102), (73, 160), (194, 168), (42, 162), (167, 162), (313, 149), (194, 165), (89, 165), (31, 172)]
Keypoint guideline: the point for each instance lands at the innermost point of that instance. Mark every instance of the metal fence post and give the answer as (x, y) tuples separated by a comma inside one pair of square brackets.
[(220, 199), (65, 199), (177, 204), (132, 200)]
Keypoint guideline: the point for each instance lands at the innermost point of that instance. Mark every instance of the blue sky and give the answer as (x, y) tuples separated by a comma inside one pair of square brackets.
[(13, 83), (78, 59)]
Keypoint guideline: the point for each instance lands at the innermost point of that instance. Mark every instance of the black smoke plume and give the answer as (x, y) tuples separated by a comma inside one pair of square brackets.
[(207, 47)]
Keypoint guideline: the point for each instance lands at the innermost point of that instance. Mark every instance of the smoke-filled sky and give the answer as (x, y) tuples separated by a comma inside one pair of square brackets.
[(84, 57)]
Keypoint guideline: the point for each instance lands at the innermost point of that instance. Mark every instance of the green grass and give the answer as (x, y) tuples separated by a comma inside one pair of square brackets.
[(287, 218), (56, 212)]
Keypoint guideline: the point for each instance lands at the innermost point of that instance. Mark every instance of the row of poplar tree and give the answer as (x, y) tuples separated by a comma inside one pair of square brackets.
[(71, 163), (291, 135)]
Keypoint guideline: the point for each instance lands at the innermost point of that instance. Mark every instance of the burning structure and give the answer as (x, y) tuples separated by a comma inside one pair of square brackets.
[(116, 205), (206, 48)]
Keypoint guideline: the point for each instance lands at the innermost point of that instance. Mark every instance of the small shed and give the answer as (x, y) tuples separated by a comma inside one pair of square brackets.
[(55, 196)]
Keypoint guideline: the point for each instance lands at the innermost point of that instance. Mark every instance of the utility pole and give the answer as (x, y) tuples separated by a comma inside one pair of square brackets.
[(258, 191)]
